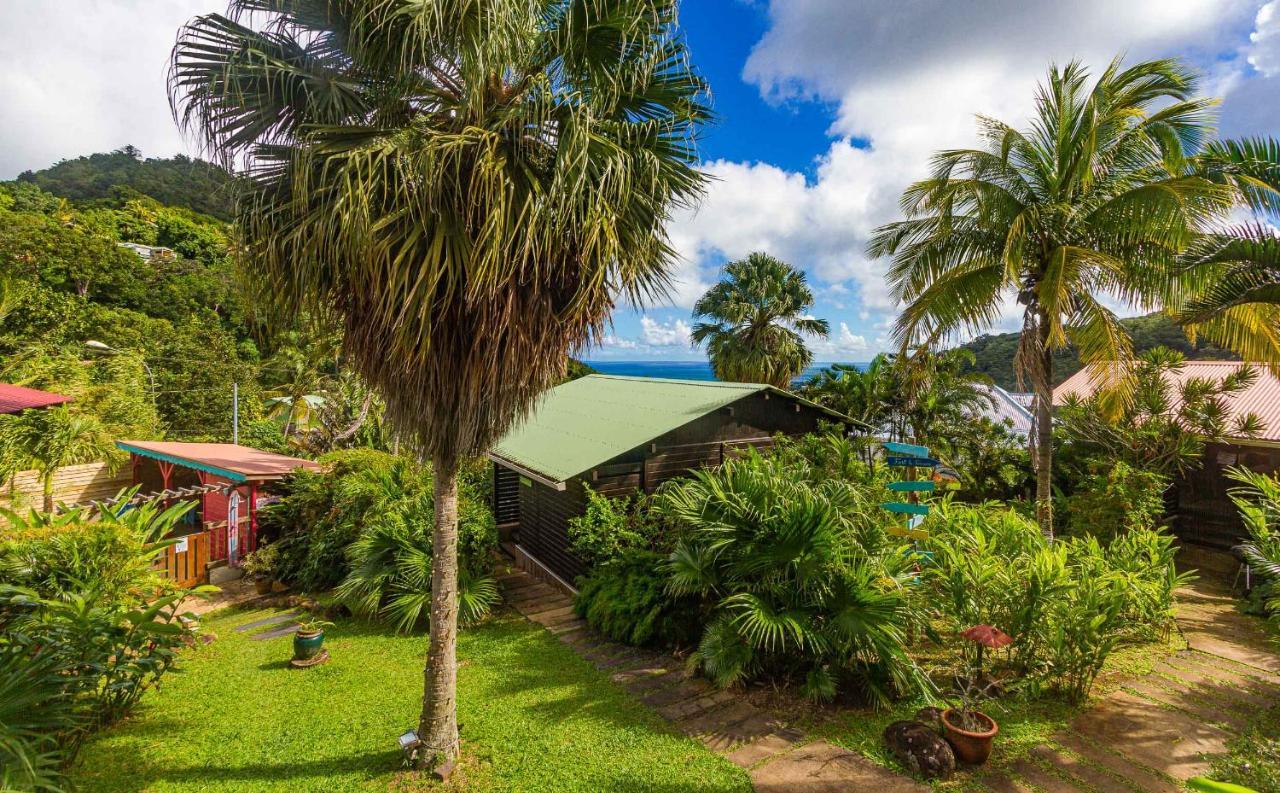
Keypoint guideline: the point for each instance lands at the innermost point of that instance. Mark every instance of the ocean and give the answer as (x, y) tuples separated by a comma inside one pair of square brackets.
[(689, 370)]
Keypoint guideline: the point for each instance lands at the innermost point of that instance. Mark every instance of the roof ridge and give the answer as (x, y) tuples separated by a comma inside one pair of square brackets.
[(703, 383)]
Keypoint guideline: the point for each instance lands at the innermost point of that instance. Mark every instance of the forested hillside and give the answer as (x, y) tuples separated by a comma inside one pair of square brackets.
[(108, 178), (995, 353)]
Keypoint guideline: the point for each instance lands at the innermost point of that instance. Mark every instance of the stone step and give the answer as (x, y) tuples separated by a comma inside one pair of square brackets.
[(1139, 776), (821, 767), (272, 620), (1233, 690), (999, 783), (1045, 781), (1076, 768), (1149, 689), (765, 748)]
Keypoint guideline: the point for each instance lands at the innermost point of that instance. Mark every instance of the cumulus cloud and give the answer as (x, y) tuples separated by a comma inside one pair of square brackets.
[(86, 79), (843, 343), (907, 79), (1264, 42), (664, 334)]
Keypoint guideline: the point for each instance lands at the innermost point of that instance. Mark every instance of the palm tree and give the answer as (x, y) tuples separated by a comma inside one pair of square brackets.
[(868, 395), (939, 391), (1097, 198), (49, 439), (470, 186), (1240, 304), (759, 311)]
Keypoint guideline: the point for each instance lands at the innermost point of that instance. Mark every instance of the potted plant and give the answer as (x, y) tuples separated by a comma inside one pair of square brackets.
[(260, 566), (971, 732), (309, 638)]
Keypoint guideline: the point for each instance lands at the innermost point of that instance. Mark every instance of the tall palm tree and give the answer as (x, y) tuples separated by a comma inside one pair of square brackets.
[(939, 391), (1096, 198), (46, 440), (470, 186), (759, 311), (1239, 307), (868, 395)]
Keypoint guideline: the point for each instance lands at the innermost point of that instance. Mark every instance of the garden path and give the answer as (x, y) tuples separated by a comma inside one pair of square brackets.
[(1161, 729), (780, 759)]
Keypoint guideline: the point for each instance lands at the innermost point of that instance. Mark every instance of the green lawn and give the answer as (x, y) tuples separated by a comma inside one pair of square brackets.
[(535, 716)]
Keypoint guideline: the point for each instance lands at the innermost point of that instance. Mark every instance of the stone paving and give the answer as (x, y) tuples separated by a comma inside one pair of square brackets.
[(779, 758), (1149, 736)]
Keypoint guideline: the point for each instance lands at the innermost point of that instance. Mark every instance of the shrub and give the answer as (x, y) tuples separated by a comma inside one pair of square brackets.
[(1258, 500), (1115, 498), (625, 598), (365, 526), (1067, 605), (609, 527), (797, 579)]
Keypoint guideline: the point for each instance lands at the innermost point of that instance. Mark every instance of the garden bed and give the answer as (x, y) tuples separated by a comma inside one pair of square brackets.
[(534, 716)]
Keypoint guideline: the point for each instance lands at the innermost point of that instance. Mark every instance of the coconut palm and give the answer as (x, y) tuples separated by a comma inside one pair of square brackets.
[(1095, 199), (758, 313), (939, 390), (470, 186), (46, 440), (1240, 304)]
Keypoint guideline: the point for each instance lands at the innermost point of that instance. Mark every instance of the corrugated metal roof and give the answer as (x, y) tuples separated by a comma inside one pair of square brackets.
[(589, 421), (238, 463), (1262, 398), (1008, 408), (16, 398)]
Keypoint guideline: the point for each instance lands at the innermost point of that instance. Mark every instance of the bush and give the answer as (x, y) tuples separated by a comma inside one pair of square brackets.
[(1067, 605), (1114, 498), (365, 525), (610, 527), (1258, 500), (797, 580), (625, 598)]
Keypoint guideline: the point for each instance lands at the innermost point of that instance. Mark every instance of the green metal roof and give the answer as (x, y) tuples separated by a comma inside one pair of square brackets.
[(589, 421)]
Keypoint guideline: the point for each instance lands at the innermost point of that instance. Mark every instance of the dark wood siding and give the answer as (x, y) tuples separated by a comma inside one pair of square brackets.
[(506, 495), (753, 421), (1204, 513)]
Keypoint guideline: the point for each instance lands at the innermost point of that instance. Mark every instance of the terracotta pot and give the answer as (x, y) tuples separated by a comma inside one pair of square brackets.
[(971, 747), (262, 586)]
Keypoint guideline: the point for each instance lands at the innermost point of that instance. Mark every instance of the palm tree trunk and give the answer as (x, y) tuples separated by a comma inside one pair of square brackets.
[(1043, 383), (438, 727), (47, 481)]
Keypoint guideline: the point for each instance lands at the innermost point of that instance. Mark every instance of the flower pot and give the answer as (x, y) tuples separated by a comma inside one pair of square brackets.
[(262, 586), (971, 747), (307, 644)]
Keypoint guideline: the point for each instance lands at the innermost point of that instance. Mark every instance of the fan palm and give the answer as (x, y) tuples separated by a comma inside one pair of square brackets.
[(758, 312), (1240, 304), (469, 185), (1097, 198)]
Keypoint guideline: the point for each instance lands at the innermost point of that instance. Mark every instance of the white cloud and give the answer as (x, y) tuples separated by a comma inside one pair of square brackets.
[(1264, 49), (664, 334), (87, 77), (907, 79)]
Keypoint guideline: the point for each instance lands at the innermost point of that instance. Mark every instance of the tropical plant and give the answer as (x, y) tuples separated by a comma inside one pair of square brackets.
[(1240, 304), (939, 392), (867, 394), (992, 459), (1098, 197), (797, 580), (470, 186), (49, 439), (626, 599), (1163, 428), (1115, 498), (610, 526), (756, 321), (1258, 500)]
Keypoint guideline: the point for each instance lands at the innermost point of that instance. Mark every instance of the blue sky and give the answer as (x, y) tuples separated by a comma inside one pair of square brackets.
[(828, 109)]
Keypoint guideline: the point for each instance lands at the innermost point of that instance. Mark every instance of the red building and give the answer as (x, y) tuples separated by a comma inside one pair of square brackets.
[(231, 483)]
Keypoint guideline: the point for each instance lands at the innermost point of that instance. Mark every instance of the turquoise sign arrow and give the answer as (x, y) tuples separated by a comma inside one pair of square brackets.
[(911, 487), (905, 449), (920, 462), (906, 509)]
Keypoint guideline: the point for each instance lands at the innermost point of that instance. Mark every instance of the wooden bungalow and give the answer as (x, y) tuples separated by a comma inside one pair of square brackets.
[(1200, 505), (619, 435), (229, 482)]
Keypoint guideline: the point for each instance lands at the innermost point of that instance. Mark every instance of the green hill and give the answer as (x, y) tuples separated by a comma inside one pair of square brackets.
[(112, 177), (995, 353)]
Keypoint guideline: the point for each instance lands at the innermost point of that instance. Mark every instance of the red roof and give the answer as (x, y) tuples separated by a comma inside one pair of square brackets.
[(238, 463), (1262, 398), (16, 398)]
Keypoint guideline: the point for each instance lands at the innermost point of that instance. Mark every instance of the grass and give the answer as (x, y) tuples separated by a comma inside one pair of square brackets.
[(534, 716), (1253, 758), (1025, 722)]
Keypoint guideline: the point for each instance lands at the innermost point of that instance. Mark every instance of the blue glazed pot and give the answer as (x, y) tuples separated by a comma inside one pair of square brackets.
[(306, 645)]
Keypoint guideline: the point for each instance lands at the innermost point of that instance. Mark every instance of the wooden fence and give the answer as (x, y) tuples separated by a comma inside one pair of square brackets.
[(73, 484)]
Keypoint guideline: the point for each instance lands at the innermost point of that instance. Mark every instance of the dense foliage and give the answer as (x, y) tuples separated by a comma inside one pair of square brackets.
[(105, 177), (363, 525), (1067, 604), (87, 626), (1258, 499)]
